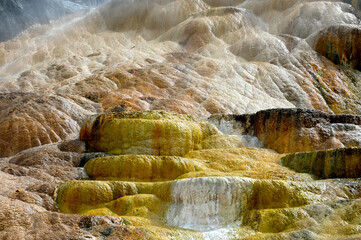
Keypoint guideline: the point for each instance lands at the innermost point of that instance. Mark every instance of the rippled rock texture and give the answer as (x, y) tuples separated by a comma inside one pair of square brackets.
[(194, 57), (269, 74), (29, 120)]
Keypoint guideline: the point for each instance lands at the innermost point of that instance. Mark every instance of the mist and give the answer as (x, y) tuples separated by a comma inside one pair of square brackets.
[(18, 15)]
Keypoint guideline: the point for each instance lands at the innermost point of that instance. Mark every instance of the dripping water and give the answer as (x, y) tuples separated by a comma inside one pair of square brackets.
[(207, 203)]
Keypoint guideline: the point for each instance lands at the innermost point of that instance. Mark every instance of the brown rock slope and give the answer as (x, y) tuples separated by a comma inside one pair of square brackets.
[(29, 120), (28, 210), (295, 130), (340, 44), (334, 163)]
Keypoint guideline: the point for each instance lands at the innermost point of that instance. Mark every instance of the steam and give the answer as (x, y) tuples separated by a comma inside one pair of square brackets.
[(18, 15), (229, 126)]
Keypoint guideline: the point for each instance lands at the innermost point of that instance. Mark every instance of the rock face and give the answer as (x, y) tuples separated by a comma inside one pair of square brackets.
[(139, 168), (264, 72), (334, 163), (28, 181), (30, 120), (295, 130), (149, 196), (154, 132), (340, 44)]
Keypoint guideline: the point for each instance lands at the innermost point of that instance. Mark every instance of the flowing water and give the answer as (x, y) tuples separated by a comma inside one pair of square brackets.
[(208, 203)]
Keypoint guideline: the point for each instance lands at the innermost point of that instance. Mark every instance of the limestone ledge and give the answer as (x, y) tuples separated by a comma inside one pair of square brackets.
[(80, 196), (140, 167), (212, 182), (205, 203), (152, 132), (333, 163), (294, 130), (239, 162)]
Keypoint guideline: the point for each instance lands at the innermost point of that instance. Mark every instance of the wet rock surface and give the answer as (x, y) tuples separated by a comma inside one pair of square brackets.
[(340, 44), (295, 130), (154, 132), (334, 163), (208, 189), (266, 66), (153, 196)]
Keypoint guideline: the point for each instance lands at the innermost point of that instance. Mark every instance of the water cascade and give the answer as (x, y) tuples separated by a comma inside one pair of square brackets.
[(207, 204)]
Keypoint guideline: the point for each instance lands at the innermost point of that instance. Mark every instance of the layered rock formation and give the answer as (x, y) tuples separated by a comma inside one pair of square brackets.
[(155, 133), (294, 130), (274, 73), (335, 163), (158, 193), (201, 60)]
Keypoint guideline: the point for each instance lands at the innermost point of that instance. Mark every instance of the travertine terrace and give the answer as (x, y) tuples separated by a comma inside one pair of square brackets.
[(182, 119)]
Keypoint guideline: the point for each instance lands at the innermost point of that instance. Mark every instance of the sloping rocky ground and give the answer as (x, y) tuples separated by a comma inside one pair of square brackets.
[(217, 187), (270, 151)]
